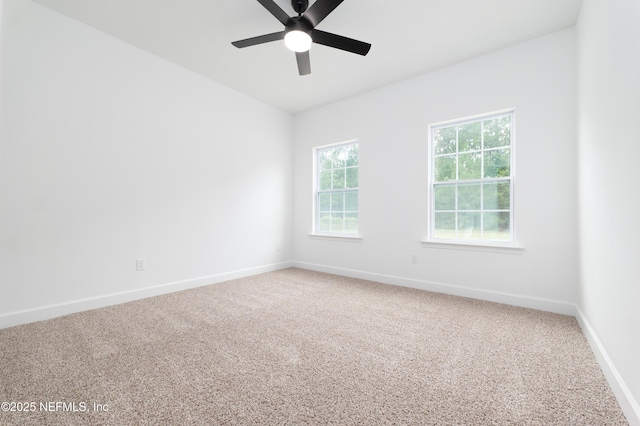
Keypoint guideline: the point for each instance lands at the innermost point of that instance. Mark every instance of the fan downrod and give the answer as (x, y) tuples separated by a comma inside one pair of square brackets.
[(299, 6)]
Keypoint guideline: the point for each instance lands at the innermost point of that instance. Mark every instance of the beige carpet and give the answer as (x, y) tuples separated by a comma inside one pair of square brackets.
[(300, 347)]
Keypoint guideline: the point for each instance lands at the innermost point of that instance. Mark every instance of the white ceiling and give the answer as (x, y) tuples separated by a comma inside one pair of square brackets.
[(408, 38)]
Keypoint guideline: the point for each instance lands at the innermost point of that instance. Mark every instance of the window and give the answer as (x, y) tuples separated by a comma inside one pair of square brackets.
[(472, 180), (337, 189)]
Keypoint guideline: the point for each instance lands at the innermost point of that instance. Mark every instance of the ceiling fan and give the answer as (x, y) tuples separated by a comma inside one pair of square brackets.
[(300, 31)]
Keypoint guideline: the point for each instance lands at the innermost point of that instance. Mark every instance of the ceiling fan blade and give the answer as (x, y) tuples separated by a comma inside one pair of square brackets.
[(259, 39), (304, 63), (340, 42), (275, 10), (319, 10)]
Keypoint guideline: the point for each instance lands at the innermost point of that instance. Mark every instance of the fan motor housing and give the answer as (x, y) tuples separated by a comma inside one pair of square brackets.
[(297, 24)]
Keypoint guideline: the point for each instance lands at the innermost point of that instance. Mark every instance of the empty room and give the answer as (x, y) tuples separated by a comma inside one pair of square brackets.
[(319, 212)]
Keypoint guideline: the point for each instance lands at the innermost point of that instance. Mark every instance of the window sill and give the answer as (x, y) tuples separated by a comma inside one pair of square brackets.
[(452, 245), (337, 237)]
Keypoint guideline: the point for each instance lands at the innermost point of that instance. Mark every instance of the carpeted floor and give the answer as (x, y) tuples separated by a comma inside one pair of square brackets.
[(300, 347)]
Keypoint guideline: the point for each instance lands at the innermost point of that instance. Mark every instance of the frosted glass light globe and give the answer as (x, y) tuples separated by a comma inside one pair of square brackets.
[(298, 41)]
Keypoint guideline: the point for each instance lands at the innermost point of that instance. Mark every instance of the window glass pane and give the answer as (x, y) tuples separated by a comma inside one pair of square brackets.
[(352, 155), (337, 189), (469, 166), (351, 201), (445, 168), (337, 201), (445, 225), (324, 159), (324, 202), (469, 197), (496, 196), (469, 136), (324, 182), (337, 222), (338, 178), (497, 132), (445, 140), (497, 163), (445, 197), (469, 226), (471, 162), (352, 177), (339, 157), (351, 223), (324, 222), (497, 226)]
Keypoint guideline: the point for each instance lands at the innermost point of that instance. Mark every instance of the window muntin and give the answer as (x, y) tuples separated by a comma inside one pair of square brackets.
[(472, 180), (337, 190)]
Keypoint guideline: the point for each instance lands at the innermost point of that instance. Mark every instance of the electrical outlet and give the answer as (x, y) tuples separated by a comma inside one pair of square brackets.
[(140, 264), (414, 258)]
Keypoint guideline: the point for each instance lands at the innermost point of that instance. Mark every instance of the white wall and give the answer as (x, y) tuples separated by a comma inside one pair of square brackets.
[(109, 153), (538, 79), (609, 198)]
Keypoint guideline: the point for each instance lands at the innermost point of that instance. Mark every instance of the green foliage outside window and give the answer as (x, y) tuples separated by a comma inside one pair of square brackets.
[(337, 196), (472, 180)]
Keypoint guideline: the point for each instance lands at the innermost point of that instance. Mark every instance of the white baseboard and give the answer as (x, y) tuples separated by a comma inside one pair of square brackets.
[(627, 402), (473, 293), (51, 311)]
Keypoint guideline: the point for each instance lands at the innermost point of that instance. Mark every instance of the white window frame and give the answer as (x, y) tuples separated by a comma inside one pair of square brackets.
[(472, 243), (316, 191)]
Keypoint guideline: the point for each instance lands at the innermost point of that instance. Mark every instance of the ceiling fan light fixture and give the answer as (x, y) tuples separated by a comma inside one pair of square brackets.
[(298, 41), (300, 31)]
